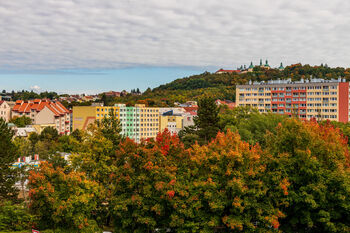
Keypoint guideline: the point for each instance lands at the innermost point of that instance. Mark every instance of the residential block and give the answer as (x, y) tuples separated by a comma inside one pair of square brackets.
[(44, 112), (306, 99)]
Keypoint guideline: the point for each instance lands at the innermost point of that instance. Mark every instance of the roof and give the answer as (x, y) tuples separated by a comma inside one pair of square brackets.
[(37, 105), (229, 103), (227, 71), (191, 109)]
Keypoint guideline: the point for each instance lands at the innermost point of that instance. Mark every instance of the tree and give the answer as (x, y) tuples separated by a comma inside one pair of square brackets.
[(251, 125), (95, 157), (222, 189), (49, 134), (21, 121), (77, 134), (207, 120), (63, 201), (23, 146), (189, 136), (110, 128), (7, 158), (34, 139), (14, 217), (143, 183), (313, 161)]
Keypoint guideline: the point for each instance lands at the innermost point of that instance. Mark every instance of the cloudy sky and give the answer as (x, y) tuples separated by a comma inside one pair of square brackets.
[(94, 45)]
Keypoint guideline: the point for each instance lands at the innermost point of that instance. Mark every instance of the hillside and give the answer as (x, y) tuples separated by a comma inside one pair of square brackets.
[(223, 86)]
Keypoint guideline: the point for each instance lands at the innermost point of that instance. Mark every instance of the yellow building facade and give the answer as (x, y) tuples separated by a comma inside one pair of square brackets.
[(172, 122), (83, 116)]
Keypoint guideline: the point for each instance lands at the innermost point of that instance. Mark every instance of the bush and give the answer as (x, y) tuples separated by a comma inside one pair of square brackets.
[(14, 217)]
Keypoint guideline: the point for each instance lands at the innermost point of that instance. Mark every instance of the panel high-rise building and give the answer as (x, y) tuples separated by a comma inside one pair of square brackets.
[(306, 99)]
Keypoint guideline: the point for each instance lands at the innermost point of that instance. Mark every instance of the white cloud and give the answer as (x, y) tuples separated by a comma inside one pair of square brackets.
[(69, 34), (35, 88)]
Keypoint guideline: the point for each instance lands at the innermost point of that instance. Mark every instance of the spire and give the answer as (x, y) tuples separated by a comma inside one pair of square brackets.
[(281, 67), (267, 63), (251, 65), (261, 62)]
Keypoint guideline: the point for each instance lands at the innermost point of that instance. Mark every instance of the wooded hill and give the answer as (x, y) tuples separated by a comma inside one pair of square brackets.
[(222, 86)]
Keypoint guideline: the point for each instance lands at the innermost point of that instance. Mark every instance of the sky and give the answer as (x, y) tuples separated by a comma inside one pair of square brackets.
[(76, 46)]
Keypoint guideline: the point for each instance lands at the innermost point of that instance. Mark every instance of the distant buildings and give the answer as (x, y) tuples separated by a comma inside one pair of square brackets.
[(137, 122), (113, 94), (44, 112), (222, 71), (317, 98), (244, 69)]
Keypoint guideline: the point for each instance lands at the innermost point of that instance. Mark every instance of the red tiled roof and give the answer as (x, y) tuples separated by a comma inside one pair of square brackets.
[(62, 107), (190, 109), (228, 71), (1, 101), (26, 106)]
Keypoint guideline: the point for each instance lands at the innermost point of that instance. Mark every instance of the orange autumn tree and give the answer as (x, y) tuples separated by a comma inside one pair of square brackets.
[(144, 181), (222, 189), (312, 163), (61, 200)]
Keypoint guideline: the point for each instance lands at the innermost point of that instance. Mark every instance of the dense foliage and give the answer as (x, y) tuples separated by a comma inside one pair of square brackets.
[(14, 217), (21, 121), (27, 95), (261, 173), (7, 157), (297, 182), (61, 200)]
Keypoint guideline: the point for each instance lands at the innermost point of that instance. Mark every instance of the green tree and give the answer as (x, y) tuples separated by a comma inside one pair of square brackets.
[(23, 146), (207, 120), (251, 125), (313, 161), (14, 217), (7, 157), (21, 121), (110, 128), (34, 139), (49, 134)]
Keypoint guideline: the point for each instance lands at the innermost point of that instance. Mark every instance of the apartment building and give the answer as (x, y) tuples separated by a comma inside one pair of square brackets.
[(83, 116), (5, 111), (137, 122), (306, 99), (44, 112), (175, 119)]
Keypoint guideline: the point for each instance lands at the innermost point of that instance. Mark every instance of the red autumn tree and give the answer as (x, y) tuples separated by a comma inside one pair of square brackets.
[(144, 181)]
